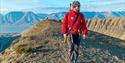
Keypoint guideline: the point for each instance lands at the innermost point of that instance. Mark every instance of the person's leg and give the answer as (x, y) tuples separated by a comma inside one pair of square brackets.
[(74, 48), (71, 47)]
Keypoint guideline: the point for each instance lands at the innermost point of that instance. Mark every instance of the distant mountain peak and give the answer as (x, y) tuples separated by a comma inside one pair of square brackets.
[(18, 17)]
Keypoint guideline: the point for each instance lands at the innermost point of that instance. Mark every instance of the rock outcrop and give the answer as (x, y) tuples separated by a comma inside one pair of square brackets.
[(114, 27)]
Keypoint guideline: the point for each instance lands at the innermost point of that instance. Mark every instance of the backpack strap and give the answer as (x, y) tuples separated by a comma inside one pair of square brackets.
[(73, 22)]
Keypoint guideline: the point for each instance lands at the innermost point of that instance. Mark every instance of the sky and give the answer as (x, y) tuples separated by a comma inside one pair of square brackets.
[(50, 6)]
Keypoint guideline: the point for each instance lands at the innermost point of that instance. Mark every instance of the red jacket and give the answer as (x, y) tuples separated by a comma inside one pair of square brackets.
[(79, 25)]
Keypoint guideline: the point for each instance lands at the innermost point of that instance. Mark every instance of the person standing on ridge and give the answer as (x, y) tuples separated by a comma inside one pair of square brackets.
[(73, 27)]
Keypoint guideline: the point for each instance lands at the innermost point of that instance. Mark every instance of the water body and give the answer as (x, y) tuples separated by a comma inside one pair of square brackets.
[(5, 42), (13, 28)]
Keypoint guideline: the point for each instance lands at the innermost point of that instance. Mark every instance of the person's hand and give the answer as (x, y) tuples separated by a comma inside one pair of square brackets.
[(84, 36), (65, 38)]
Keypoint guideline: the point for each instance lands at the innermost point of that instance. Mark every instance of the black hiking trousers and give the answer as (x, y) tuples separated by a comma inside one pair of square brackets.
[(74, 47)]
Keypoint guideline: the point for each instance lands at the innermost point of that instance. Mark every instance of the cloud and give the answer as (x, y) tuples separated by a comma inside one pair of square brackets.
[(86, 5), (109, 5)]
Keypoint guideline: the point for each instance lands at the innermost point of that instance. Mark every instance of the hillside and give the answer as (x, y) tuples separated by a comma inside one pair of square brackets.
[(39, 42), (42, 43), (114, 27)]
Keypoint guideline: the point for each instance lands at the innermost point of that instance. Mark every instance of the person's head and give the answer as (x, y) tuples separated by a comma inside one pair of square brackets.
[(76, 6)]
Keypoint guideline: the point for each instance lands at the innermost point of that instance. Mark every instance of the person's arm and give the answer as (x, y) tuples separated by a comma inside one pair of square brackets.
[(84, 27), (64, 26)]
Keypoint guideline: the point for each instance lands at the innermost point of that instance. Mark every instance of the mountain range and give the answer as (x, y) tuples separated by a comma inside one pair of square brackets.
[(89, 15), (18, 17), (18, 21)]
